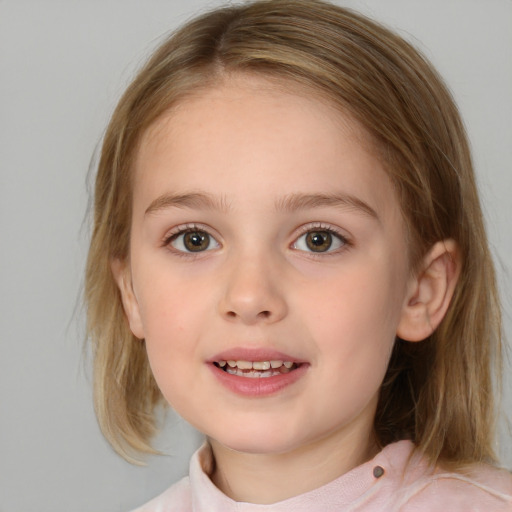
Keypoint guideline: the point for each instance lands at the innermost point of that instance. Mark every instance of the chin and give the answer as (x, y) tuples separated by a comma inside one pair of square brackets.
[(264, 442)]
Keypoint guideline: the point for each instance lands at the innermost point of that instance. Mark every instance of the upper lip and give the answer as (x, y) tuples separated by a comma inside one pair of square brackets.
[(253, 354)]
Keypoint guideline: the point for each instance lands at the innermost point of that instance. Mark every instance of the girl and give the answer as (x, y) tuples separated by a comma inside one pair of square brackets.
[(288, 248)]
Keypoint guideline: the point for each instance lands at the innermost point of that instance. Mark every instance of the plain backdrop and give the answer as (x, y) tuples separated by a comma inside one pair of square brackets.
[(63, 66)]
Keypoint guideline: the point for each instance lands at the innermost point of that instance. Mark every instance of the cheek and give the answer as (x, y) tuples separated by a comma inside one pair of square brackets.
[(170, 345), (361, 299), (168, 326), (162, 295), (354, 320)]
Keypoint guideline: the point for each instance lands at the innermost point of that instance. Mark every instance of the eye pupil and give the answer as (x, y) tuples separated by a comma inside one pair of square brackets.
[(196, 241), (319, 241)]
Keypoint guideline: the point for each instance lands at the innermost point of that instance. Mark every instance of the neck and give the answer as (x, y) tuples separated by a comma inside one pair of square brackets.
[(269, 478)]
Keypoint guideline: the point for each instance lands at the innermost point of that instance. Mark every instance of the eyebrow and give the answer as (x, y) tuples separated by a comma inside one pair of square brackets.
[(294, 202), (197, 200), (289, 203)]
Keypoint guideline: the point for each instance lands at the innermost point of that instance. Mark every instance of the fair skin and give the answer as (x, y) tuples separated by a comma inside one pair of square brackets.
[(263, 228)]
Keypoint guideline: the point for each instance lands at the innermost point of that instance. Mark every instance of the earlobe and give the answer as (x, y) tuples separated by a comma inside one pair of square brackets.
[(122, 275), (430, 292)]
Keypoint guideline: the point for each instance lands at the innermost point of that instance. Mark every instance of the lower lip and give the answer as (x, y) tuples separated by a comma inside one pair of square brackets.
[(257, 387)]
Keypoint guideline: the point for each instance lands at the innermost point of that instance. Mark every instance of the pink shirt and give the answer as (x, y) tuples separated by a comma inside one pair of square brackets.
[(380, 485)]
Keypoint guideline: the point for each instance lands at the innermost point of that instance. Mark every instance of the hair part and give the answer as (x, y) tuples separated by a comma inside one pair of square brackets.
[(439, 392)]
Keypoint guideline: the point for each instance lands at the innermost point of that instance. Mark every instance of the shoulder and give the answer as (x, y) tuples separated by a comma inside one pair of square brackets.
[(175, 499), (481, 489)]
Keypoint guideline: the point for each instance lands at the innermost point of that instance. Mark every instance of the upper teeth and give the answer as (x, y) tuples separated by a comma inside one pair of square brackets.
[(256, 365)]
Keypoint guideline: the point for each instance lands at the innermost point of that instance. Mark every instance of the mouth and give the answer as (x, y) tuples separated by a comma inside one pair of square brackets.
[(257, 373), (257, 369)]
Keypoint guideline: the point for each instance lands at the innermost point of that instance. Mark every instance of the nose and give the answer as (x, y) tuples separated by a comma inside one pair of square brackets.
[(252, 293)]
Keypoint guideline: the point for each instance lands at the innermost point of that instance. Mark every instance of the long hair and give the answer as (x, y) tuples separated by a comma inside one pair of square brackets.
[(439, 392)]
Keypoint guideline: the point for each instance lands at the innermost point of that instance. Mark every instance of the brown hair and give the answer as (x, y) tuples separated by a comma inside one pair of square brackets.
[(438, 393)]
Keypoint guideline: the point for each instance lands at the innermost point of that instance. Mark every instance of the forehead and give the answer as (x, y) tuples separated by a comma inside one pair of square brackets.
[(246, 125), (238, 90)]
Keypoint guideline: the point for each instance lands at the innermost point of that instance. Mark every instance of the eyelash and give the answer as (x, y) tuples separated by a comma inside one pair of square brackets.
[(183, 230), (320, 227), (304, 230)]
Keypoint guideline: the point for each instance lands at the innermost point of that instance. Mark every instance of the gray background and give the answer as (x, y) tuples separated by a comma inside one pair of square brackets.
[(63, 66)]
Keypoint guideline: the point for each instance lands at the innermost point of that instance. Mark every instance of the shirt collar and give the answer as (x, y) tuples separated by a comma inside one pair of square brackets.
[(357, 486)]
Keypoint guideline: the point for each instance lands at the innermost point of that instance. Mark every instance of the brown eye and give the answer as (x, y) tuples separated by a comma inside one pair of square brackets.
[(196, 241), (193, 241), (319, 241)]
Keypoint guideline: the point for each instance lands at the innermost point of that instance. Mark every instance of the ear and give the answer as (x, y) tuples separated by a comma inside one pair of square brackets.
[(430, 292), (123, 278)]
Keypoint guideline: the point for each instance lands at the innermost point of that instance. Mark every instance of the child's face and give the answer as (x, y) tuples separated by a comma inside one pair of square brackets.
[(263, 230)]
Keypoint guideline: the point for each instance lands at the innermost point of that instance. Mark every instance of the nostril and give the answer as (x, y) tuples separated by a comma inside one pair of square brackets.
[(261, 314)]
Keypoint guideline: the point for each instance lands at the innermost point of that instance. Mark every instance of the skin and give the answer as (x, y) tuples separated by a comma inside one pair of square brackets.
[(249, 145)]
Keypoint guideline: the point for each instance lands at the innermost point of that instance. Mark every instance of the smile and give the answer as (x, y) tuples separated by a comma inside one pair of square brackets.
[(256, 369), (257, 372)]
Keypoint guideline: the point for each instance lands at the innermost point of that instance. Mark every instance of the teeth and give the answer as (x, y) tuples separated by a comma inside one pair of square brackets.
[(252, 374), (244, 365), (261, 366)]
